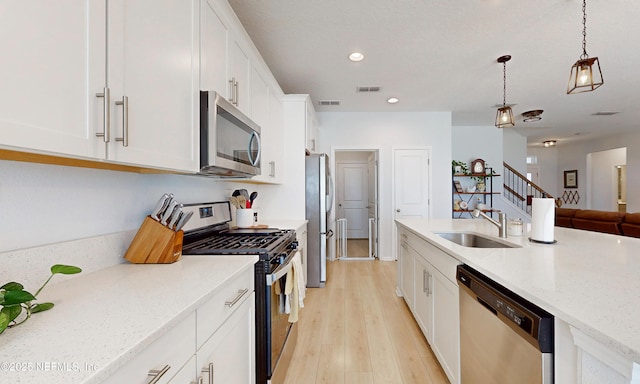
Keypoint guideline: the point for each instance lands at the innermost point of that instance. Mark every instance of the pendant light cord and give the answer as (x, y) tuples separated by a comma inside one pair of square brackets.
[(504, 82), (584, 30)]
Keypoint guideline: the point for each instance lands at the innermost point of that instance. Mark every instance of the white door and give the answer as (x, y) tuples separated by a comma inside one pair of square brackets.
[(153, 74), (373, 204), (53, 55), (411, 183), (353, 198)]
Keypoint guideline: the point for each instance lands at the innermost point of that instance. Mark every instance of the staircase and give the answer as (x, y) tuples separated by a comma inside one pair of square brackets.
[(519, 190)]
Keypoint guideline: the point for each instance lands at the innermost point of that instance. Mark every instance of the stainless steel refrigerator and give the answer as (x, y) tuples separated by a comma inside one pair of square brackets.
[(319, 199)]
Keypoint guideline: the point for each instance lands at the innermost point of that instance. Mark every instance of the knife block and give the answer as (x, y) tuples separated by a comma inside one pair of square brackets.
[(155, 244)]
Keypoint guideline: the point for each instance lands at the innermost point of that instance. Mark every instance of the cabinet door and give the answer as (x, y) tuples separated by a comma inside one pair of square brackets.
[(275, 167), (187, 374), (423, 306), (311, 128), (260, 115), (153, 72), (238, 76), (446, 325), (229, 355), (213, 51), (406, 274), (53, 57)]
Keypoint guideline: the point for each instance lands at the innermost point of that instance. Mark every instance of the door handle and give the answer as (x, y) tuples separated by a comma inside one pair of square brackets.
[(397, 210)]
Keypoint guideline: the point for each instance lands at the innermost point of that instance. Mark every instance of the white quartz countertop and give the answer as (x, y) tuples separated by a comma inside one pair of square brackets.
[(284, 224), (587, 279), (103, 319)]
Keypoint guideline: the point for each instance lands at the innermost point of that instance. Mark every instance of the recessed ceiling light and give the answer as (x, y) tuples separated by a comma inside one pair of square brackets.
[(549, 143), (356, 56), (392, 100), (532, 115)]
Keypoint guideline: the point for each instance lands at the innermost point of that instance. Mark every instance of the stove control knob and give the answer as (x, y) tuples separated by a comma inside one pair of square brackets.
[(293, 245)]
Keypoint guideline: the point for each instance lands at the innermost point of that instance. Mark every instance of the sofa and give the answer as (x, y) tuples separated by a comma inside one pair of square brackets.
[(617, 223)]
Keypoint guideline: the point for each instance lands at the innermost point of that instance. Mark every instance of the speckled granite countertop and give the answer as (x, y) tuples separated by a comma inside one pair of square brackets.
[(589, 280), (103, 319)]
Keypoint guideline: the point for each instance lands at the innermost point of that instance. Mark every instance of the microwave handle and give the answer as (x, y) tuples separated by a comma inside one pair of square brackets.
[(254, 136)]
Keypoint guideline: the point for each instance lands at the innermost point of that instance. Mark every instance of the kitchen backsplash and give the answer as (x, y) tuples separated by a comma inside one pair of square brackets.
[(31, 266)]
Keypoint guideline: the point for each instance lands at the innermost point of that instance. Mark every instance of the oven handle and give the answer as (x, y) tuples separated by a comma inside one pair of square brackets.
[(281, 270)]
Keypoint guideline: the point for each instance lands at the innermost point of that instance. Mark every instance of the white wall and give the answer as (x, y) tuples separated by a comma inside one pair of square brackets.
[(574, 156), (43, 204), (602, 187), (547, 165), (386, 131), (514, 150)]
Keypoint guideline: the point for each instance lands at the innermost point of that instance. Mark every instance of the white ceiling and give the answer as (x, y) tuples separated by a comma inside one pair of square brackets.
[(437, 55)]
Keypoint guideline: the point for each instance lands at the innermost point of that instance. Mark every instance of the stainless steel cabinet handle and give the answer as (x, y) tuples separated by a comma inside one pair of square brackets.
[(429, 284), (237, 97), (106, 95), (424, 281), (157, 374), (241, 292), (209, 370), (200, 380), (125, 121), (272, 173), (233, 84)]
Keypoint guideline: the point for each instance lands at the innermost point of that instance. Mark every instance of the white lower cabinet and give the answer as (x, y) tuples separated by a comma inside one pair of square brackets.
[(214, 344), (162, 359), (228, 356), (428, 283)]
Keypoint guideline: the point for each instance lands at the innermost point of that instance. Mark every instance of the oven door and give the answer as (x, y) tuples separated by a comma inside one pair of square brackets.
[(280, 332)]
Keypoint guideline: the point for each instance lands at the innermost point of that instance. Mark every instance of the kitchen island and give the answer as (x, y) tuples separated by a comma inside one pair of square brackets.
[(106, 319), (587, 280)]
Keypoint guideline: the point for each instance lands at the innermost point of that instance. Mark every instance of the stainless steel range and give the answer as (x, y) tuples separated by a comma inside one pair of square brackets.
[(208, 234)]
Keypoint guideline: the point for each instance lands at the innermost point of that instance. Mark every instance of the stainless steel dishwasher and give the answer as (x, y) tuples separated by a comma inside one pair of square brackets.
[(504, 338)]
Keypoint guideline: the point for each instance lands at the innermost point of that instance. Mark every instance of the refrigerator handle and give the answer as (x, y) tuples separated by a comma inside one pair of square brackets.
[(329, 233)]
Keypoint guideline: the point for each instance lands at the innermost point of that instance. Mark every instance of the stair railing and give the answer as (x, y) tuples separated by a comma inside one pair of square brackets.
[(519, 190)]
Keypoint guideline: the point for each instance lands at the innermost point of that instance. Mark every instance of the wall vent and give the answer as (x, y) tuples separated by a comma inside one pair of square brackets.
[(604, 113), (329, 102), (368, 89)]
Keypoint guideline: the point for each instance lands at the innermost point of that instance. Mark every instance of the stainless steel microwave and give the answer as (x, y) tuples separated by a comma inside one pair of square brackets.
[(229, 140)]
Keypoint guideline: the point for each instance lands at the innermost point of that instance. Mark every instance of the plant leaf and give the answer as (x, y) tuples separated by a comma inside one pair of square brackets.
[(17, 297), (41, 307), (12, 311), (12, 286), (4, 321), (65, 269)]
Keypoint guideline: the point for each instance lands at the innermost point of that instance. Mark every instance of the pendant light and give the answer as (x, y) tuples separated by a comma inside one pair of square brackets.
[(585, 74), (504, 116)]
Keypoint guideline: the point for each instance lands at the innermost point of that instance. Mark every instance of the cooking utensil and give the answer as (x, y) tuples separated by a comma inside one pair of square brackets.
[(245, 194), (175, 215), (165, 206), (158, 207), (242, 202), (234, 202), (183, 220), (167, 214), (252, 197), (235, 193)]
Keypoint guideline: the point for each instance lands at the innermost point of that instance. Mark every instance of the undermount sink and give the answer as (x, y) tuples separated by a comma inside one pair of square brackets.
[(474, 240)]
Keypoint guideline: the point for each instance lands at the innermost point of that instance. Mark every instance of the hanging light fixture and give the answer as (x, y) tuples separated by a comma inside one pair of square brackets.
[(504, 116), (585, 74), (530, 116), (549, 143)]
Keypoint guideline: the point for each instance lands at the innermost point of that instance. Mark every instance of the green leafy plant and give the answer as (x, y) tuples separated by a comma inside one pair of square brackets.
[(18, 305), (462, 165)]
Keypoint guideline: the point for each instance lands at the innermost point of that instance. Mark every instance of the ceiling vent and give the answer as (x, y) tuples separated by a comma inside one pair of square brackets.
[(367, 89), (604, 113), (329, 102)]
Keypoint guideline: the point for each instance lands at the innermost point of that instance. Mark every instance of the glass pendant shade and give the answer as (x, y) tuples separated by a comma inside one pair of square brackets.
[(585, 76), (504, 117)]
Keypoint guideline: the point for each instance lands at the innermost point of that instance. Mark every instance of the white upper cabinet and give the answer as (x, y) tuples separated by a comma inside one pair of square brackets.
[(311, 130), (153, 59), (53, 56), (275, 166), (213, 51), (238, 76), (129, 96)]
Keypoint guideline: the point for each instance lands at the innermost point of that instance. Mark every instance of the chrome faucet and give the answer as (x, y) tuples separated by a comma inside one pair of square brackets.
[(502, 224)]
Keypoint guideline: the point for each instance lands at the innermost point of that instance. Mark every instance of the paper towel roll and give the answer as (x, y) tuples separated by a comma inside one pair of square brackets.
[(543, 219)]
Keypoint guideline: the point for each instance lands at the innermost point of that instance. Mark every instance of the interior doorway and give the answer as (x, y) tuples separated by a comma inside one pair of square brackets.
[(357, 204)]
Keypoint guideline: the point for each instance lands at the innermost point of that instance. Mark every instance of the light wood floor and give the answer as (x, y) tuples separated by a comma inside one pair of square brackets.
[(357, 331), (358, 248)]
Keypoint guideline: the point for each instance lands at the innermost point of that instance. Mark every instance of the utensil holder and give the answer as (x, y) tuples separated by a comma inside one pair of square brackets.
[(155, 244)]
